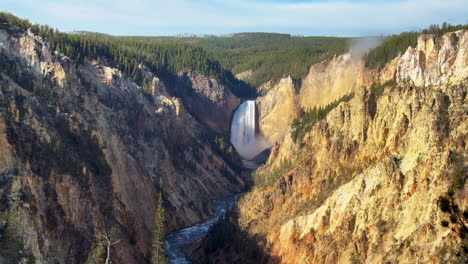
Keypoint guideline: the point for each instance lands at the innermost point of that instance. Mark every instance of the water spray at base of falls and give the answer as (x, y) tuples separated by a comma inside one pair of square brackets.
[(244, 136)]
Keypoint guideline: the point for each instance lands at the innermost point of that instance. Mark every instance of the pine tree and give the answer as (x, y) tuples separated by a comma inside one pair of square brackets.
[(101, 248), (458, 223), (97, 255), (157, 254)]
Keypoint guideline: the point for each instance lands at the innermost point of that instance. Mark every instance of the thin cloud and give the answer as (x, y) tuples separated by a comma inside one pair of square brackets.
[(145, 17)]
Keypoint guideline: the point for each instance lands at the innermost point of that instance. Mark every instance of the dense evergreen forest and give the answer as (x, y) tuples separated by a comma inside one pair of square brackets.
[(397, 44), (270, 56), (165, 59)]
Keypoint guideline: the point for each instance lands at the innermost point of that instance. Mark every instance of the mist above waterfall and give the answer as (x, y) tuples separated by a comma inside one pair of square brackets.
[(244, 136), (360, 46)]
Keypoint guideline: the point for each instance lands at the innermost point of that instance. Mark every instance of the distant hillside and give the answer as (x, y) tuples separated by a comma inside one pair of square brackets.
[(126, 54), (270, 56)]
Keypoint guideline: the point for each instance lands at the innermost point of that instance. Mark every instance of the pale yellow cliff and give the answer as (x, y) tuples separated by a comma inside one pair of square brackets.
[(330, 80), (277, 109), (364, 186), (435, 60), (326, 82)]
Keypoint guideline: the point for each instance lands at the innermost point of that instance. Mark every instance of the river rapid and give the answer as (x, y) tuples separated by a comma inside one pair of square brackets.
[(178, 240)]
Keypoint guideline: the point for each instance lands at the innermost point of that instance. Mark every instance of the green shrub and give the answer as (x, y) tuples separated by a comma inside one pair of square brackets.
[(268, 178), (381, 226), (377, 89), (307, 119), (12, 249), (458, 166), (457, 222)]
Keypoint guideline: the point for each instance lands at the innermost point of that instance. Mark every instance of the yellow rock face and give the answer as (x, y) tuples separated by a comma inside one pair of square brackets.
[(277, 109), (55, 72), (435, 60), (364, 187), (325, 83), (329, 80)]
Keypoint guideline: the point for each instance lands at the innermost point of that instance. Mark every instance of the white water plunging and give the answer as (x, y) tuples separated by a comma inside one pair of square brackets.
[(243, 134), (243, 124)]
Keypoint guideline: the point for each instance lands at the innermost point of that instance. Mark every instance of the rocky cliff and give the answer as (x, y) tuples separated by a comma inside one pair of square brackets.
[(276, 109), (209, 101), (329, 80), (326, 82), (84, 151), (435, 60), (362, 185)]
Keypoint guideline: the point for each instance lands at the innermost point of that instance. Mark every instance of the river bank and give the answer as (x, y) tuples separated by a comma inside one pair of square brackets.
[(176, 242)]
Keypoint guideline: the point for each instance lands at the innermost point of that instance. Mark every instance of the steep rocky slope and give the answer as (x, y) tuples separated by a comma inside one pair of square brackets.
[(325, 82), (83, 151), (206, 99), (363, 184), (276, 109), (329, 80)]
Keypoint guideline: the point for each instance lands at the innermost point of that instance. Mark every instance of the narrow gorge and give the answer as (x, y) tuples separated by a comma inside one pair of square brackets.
[(242, 148), (365, 159), (249, 145)]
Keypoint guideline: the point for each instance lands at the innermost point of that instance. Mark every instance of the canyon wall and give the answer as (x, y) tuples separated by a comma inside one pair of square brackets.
[(362, 185), (276, 110), (326, 82), (84, 151), (206, 99)]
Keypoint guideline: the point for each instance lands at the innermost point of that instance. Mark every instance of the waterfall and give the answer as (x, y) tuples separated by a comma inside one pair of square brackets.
[(243, 125), (243, 135)]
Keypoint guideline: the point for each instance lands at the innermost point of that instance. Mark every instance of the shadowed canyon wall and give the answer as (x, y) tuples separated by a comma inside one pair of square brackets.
[(85, 151)]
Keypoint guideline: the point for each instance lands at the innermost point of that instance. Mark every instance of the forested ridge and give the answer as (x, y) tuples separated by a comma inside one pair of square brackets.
[(397, 44), (270, 56), (164, 59)]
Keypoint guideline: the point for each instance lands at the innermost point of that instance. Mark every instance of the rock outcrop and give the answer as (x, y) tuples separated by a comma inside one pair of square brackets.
[(435, 60), (277, 109), (363, 185), (329, 80), (326, 82), (245, 75), (207, 100), (84, 151)]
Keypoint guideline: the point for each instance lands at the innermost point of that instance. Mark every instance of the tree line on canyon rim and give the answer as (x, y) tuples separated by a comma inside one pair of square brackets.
[(218, 57), (270, 56), (129, 55), (397, 44)]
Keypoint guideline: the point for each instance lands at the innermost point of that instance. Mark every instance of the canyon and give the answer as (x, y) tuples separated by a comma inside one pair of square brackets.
[(363, 184), (85, 151)]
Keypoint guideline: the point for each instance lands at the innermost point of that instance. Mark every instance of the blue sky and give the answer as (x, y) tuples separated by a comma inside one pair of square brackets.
[(303, 17)]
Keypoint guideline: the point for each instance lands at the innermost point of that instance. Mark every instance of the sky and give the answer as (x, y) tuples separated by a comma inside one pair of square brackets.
[(299, 17)]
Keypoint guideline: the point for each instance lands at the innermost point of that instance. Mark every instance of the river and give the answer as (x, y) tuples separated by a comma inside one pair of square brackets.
[(248, 144), (178, 240)]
